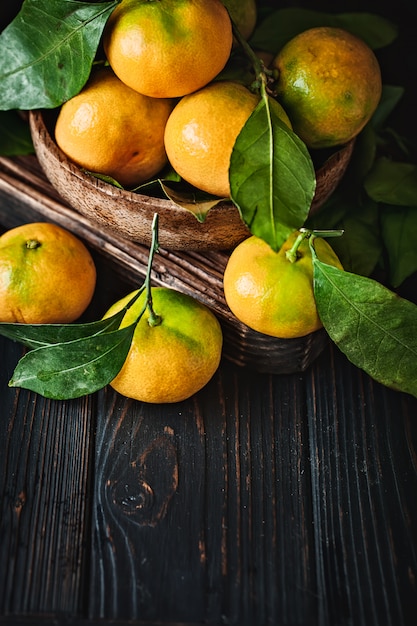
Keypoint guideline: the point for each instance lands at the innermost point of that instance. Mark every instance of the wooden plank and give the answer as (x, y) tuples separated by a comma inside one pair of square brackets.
[(44, 478), (206, 535), (363, 451)]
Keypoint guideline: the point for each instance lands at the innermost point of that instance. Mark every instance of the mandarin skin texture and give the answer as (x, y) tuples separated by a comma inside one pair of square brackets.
[(169, 48), (329, 83)]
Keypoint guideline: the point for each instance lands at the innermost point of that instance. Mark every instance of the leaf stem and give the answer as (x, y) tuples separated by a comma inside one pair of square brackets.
[(292, 254), (154, 318), (263, 76)]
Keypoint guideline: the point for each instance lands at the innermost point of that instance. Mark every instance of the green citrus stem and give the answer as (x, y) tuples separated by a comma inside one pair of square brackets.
[(154, 319), (32, 244), (261, 73), (291, 254)]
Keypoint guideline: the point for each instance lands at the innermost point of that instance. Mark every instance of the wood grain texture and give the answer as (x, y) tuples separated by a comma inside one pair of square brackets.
[(44, 470), (264, 499)]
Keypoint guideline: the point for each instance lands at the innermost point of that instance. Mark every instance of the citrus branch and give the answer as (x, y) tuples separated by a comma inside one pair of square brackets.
[(154, 319), (263, 76), (291, 254)]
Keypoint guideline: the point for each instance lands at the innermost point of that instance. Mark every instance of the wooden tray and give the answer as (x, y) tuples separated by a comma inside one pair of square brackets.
[(26, 195)]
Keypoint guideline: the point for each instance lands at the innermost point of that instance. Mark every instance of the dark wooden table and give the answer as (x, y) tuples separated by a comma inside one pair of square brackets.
[(263, 500)]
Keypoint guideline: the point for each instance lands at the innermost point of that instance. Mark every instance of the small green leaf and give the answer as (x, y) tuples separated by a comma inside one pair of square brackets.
[(73, 369), (272, 177), (399, 228), (195, 201), (392, 182), (370, 324), (47, 51), (15, 138), (104, 177), (37, 335)]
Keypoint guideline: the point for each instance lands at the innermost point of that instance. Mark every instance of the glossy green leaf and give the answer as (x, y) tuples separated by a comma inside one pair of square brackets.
[(47, 51), (37, 335), (69, 370), (371, 325), (272, 177), (281, 25)]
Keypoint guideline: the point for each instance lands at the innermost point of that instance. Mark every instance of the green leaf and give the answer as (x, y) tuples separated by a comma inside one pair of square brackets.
[(47, 51), (272, 177), (195, 201), (69, 370), (392, 182), (399, 228), (15, 138), (284, 24), (37, 335), (370, 324)]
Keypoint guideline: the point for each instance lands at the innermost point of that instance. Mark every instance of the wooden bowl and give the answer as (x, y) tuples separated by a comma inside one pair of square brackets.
[(130, 214)]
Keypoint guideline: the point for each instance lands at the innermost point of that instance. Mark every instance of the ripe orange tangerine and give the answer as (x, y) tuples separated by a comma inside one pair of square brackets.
[(202, 130), (174, 359), (168, 48), (47, 275), (108, 128), (271, 294), (329, 82)]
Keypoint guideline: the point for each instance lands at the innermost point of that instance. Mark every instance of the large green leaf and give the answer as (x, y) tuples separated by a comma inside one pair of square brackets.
[(63, 371), (38, 335), (370, 324), (272, 177), (47, 51)]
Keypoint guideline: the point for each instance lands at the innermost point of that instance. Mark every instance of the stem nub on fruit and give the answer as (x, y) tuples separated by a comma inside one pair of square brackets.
[(32, 244)]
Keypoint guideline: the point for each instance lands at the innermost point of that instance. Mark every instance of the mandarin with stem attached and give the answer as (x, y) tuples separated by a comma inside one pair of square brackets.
[(47, 275), (173, 359), (271, 294)]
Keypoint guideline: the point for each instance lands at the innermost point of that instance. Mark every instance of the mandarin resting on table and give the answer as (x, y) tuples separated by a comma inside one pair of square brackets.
[(111, 129), (172, 360), (168, 48), (271, 294), (329, 83), (47, 275), (202, 129)]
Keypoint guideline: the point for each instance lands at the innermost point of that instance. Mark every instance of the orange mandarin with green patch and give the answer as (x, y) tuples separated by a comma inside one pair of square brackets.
[(329, 83), (271, 294), (168, 48), (47, 275), (176, 357)]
